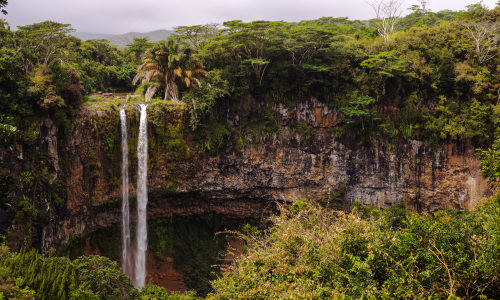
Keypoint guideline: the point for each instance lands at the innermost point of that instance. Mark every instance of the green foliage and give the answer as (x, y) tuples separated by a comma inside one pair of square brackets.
[(170, 69), (6, 197), (3, 3), (194, 244), (420, 17), (137, 48), (386, 64), (194, 36), (213, 135), (490, 161), (7, 131), (202, 100), (473, 122), (474, 12), (429, 93), (153, 292), (305, 129), (335, 199), (315, 253), (161, 237), (104, 277), (357, 112), (42, 44), (254, 42), (91, 277)]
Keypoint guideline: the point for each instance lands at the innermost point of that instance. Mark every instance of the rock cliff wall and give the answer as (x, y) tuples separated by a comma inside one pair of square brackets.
[(246, 181)]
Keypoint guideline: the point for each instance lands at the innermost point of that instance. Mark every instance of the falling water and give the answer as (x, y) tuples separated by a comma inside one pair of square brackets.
[(142, 200), (126, 263)]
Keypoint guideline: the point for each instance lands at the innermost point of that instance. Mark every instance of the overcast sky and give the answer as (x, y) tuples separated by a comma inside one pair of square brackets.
[(121, 16)]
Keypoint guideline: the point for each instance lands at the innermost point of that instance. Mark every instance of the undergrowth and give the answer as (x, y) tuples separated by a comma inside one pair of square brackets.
[(313, 252)]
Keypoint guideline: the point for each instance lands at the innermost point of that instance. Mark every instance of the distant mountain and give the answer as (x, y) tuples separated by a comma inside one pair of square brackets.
[(122, 40)]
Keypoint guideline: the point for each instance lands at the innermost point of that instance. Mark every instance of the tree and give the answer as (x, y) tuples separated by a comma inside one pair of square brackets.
[(99, 51), (138, 47), (253, 41), (12, 81), (203, 99), (168, 67), (7, 136), (386, 65), (388, 14), (194, 36), (304, 43), (485, 37), (3, 3), (357, 111), (5, 33), (475, 12), (103, 277), (41, 43)]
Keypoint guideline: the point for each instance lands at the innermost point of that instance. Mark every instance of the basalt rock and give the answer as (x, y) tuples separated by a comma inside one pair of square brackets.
[(250, 180)]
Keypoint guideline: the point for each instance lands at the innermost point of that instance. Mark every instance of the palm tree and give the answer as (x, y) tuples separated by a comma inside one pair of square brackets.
[(165, 66)]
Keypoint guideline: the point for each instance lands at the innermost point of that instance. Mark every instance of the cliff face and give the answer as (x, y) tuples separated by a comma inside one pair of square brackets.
[(247, 181)]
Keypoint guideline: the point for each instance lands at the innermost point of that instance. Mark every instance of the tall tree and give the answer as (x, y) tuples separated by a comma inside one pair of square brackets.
[(304, 43), (138, 47), (485, 36), (388, 14), (42, 43), (254, 42), (99, 51), (195, 36), (385, 65), (168, 67)]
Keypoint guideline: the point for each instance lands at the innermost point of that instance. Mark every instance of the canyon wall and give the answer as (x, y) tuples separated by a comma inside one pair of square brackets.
[(248, 180)]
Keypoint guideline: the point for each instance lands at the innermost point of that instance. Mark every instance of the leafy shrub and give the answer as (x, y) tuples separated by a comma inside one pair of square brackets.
[(88, 277), (153, 292), (317, 253)]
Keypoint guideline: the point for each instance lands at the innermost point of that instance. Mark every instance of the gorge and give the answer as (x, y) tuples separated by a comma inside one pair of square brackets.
[(237, 183), (246, 182)]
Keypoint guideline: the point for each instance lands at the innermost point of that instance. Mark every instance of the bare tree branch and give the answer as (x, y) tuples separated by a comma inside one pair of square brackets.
[(388, 13), (485, 37)]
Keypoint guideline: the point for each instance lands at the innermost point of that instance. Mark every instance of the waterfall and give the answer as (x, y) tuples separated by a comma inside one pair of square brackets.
[(142, 200), (126, 261)]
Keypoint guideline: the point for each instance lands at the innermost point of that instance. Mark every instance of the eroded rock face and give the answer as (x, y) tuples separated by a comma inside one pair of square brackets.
[(248, 182)]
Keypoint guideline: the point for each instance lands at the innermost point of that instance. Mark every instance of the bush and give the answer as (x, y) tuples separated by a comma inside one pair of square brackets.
[(88, 277), (317, 253)]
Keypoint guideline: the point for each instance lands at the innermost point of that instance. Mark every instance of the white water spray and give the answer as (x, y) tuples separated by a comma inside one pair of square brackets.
[(142, 200), (126, 261)]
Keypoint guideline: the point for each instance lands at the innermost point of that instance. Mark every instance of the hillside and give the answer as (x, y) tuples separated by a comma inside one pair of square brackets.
[(122, 40)]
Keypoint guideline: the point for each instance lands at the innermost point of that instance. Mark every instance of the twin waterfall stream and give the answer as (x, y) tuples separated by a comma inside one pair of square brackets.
[(137, 271)]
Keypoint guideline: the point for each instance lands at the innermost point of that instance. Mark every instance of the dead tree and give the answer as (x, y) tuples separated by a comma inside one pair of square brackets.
[(388, 13), (485, 37)]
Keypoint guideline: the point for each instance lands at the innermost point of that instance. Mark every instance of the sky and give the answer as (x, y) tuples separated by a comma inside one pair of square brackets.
[(121, 16)]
